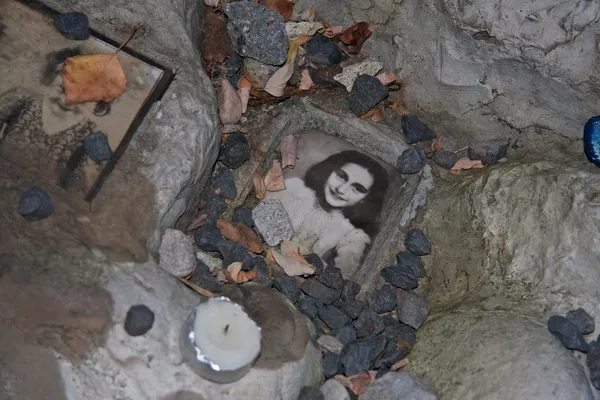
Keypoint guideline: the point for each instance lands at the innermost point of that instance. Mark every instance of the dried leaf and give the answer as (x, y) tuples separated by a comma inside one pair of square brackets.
[(259, 185), (293, 263), (465, 163), (306, 81), (274, 181), (357, 383), (277, 83), (270, 257), (376, 114), (93, 78), (242, 234), (284, 7), (229, 128), (333, 31), (387, 77), (436, 144), (245, 276), (216, 46), (232, 272), (202, 291), (211, 3), (400, 364), (244, 93), (355, 36), (230, 104), (289, 146), (197, 222), (396, 106), (302, 39), (288, 246)]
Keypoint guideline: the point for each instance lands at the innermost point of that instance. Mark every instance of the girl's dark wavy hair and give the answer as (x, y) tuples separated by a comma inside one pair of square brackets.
[(364, 214)]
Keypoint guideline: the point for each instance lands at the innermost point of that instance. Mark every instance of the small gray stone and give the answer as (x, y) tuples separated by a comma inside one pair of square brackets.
[(73, 25), (331, 364), (234, 252), (445, 159), (352, 307), (411, 161), (346, 334), (223, 182), (409, 262), (383, 299), (350, 290), (415, 131), (369, 323), (244, 216), (314, 260), (262, 272), (417, 242), (412, 309), (213, 206), (257, 32), (319, 292), (35, 204), (234, 150), (288, 286), (568, 333), (332, 277), (593, 363), (333, 389), (273, 222), (139, 320), (310, 393), (392, 384), (97, 147), (488, 151), (259, 71), (360, 355), (583, 320), (208, 237), (333, 317), (203, 278), (400, 277), (330, 343), (322, 50), (177, 253), (213, 263), (308, 306), (366, 93)]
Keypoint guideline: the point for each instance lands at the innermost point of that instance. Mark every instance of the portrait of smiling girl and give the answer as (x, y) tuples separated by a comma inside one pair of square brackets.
[(335, 206)]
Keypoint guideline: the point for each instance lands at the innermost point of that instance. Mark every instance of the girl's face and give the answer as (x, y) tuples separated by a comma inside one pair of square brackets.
[(347, 185)]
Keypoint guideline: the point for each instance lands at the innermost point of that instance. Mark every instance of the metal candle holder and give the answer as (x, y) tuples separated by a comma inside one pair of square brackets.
[(198, 362)]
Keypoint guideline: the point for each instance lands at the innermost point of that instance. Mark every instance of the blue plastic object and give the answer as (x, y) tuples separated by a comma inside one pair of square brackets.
[(591, 139)]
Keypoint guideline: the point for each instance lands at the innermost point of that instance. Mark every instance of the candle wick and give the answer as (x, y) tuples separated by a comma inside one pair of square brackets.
[(226, 329)]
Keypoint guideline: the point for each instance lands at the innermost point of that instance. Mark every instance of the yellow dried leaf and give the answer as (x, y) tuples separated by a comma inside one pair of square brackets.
[(376, 114), (93, 78), (293, 263), (270, 257), (465, 163), (396, 106), (259, 185), (274, 181), (238, 232), (232, 272), (436, 145)]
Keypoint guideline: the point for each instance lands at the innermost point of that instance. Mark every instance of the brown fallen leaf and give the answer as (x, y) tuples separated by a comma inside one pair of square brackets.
[(284, 7), (376, 114), (355, 36), (196, 223), (242, 234), (387, 77), (234, 274), (396, 106), (229, 102), (216, 46), (278, 81), (306, 81), (259, 185), (244, 86), (274, 181), (293, 263), (357, 383), (400, 364), (202, 291), (465, 163), (270, 257), (289, 146), (302, 39), (333, 31), (436, 144), (93, 78)]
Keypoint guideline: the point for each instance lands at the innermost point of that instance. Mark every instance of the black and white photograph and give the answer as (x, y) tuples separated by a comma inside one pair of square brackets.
[(335, 197)]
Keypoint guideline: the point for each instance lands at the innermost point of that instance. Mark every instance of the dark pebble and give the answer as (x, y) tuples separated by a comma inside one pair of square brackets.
[(593, 363), (411, 161), (139, 320), (333, 317), (223, 182), (332, 277), (392, 354), (235, 65), (97, 147), (331, 363), (381, 372), (234, 252), (360, 355), (262, 272), (73, 25), (257, 32), (346, 334), (397, 330), (400, 277), (308, 306), (413, 309), (323, 77), (244, 216), (101, 108), (417, 243), (321, 327), (366, 93), (288, 286), (321, 50), (416, 131), (201, 276), (310, 393), (383, 300), (583, 320), (352, 307), (213, 205), (234, 150), (35, 204), (314, 260), (247, 264), (568, 333), (350, 290), (488, 151), (369, 323), (445, 159), (208, 237), (411, 263), (319, 292)]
